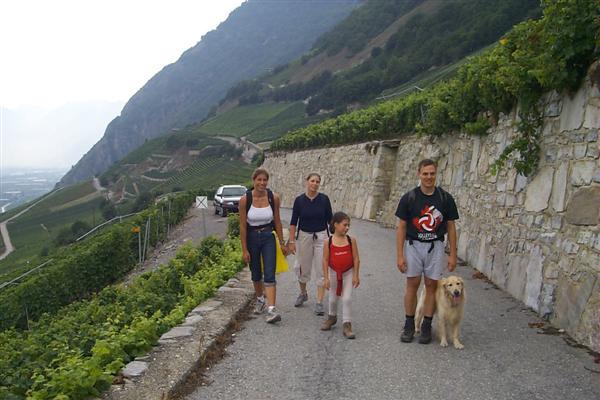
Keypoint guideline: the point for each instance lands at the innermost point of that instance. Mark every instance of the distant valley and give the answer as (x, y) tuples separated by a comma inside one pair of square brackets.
[(20, 185)]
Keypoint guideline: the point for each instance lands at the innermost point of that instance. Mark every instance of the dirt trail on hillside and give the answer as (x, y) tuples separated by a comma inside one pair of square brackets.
[(191, 229)]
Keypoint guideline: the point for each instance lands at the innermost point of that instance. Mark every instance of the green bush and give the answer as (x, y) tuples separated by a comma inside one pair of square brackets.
[(233, 225)]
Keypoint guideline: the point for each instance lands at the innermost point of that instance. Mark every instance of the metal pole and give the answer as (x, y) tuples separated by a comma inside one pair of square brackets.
[(169, 220), (203, 221), (140, 246)]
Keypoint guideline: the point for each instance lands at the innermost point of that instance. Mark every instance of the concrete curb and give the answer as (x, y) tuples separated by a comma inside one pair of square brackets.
[(182, 352)]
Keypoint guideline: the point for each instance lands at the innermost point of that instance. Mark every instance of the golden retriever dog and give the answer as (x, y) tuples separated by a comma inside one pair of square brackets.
[(450, 300)]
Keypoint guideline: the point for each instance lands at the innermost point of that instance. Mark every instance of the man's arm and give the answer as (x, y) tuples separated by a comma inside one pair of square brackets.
[(452, 259), (400, 238)]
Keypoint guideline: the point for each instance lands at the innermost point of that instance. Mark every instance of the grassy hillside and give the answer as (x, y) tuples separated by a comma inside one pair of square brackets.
[(381, 46), (38, 228), (259, 122)]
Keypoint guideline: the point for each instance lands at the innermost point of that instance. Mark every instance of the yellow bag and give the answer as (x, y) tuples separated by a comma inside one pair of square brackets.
[(281, 264)]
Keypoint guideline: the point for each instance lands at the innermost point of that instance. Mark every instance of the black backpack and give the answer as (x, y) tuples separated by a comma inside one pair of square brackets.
[(412, 195)]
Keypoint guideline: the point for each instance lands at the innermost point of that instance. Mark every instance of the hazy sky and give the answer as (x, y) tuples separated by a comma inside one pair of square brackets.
[(60, 51), (81, 52)]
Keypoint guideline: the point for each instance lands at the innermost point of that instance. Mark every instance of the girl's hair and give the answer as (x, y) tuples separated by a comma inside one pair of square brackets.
[(260, 171), (337, 218), (313, 174)]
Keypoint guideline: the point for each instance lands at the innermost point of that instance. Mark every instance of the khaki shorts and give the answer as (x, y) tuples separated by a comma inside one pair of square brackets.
[(309, 256), (422, 259)]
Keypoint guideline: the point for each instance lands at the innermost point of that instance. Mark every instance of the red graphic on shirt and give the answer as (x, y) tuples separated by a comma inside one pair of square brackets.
[(429, 219)]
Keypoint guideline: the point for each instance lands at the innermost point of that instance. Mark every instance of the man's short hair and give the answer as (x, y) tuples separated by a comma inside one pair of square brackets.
[(427, 161)]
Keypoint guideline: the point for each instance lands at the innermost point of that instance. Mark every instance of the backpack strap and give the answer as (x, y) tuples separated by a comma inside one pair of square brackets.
[(270, 198), (248, 200)]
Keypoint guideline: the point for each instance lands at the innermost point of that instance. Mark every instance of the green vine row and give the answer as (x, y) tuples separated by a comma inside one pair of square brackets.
[(75, 353)]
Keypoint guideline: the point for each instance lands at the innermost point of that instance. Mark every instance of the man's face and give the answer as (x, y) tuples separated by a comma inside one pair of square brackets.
[(427, 176)]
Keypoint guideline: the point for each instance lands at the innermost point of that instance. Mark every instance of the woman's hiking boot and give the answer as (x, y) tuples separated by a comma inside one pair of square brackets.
[(348, 330), (408, 333), (329, 322)]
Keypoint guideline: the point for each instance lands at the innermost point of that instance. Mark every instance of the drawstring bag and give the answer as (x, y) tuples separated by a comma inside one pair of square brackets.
[(281, 264)]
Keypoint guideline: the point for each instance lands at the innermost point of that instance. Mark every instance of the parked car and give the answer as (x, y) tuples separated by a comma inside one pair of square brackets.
[(227, 199)]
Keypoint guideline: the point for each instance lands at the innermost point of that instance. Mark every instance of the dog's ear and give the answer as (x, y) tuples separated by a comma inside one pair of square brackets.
[(442, 282)]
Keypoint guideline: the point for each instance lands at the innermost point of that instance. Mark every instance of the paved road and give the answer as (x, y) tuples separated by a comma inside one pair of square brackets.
[(503, 358), (9, 248)]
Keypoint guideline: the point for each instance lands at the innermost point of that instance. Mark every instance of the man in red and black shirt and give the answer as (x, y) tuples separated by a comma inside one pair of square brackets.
[(426, 214)]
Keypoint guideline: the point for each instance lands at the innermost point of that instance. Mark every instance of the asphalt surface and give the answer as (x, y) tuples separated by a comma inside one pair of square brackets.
[(504, 358)]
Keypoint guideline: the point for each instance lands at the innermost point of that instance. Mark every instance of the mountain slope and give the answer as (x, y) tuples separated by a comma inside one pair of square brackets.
[(256, 36)]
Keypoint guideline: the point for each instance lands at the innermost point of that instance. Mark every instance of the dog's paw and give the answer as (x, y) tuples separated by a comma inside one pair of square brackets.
[(458, 345), (444, 343)]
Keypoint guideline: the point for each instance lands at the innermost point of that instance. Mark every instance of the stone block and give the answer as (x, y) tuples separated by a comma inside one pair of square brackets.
[(551, 271), (571, 299), (579, 150), (192, 320), (593, 151), (538, 191), (533, 285), (582, 173), (547, 300), (592, 135), (135, 369), (559, 187), (588, 331), (499, 266), (207, 306), (597, 176), (178, 332), (592, 117), (517, 276), (583, 207), (520, 183), (572, 113)]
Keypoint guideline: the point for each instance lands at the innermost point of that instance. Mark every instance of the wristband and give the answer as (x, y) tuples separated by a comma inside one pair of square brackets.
[(289, 242)]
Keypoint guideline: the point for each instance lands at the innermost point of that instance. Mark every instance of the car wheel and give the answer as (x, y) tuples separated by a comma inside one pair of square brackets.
[(216, 211), (223, 212)]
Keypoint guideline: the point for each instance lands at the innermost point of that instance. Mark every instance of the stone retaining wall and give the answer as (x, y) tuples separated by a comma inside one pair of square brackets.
[(537, 238)]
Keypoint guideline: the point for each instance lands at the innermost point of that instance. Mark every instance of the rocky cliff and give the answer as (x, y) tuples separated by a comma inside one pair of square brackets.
[(256, 36)]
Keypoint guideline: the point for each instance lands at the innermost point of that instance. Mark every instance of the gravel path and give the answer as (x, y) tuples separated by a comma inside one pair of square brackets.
[(504, 358)]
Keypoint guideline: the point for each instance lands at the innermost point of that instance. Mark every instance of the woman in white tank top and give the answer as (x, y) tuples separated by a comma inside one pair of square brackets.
[(259, 217)]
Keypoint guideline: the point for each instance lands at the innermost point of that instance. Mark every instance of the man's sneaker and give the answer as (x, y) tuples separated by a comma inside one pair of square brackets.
[(319, 310), (260, 306), (272, 315), (408, 333), (425, 337), (302, 297), (329, 322)]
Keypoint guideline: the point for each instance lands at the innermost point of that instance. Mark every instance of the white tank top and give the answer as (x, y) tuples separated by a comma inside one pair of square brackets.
[(259, 216)]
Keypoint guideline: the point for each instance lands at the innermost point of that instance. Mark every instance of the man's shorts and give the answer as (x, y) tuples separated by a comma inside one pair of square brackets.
[(421, 261)]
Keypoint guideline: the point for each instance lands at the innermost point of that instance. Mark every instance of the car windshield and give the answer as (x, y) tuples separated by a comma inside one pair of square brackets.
[(237, 191)]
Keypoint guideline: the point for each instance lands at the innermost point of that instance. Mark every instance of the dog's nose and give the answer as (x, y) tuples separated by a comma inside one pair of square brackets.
[(456, 293)]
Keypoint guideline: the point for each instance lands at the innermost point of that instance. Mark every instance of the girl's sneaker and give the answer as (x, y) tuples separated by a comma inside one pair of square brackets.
[(348, 330), (260, 306), (272, 315), (329, 322)]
